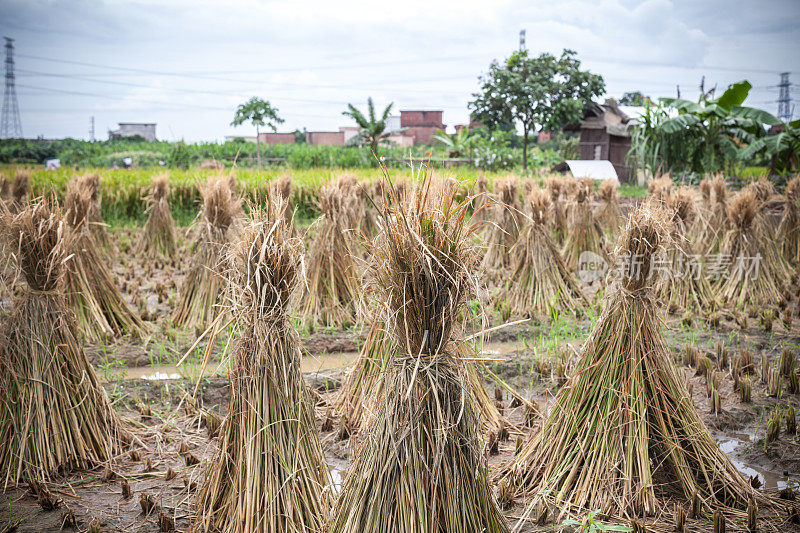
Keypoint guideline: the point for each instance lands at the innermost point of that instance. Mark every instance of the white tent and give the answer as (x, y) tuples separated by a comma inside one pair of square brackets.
[(593, 168)]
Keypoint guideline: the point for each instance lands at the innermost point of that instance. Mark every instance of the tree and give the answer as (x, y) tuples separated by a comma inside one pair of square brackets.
[(371, 129), (259, 113), (634, 98), (544, 91)]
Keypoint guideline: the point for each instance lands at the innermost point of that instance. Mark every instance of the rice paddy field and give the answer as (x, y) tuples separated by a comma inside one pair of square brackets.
[(397, 351)]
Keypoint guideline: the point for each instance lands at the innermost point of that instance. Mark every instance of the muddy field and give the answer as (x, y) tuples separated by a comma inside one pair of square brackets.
[(176, 437)]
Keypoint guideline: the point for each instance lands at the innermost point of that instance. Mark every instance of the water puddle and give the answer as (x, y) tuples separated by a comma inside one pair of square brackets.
[(730, 443), (165, 372)]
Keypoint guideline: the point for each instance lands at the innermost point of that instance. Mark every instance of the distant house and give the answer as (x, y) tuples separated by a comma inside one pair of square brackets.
[(276, 138), (422, 125), (349, 132), (605, 135), (147, 130)]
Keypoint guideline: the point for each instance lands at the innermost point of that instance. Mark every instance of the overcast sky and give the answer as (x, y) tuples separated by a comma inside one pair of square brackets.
[(186, 64)]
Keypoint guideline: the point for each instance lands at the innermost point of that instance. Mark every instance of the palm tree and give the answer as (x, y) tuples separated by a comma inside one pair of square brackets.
[(372, 130)]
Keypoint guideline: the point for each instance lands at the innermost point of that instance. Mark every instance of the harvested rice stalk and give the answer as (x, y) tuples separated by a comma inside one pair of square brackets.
[(584, 233), (789, 227), (90, 290), (5, 187), (204, 284), (608, 213), (332, 287), (94, 219), (708, 236), (422, 469), (625, 424), (557, 220), (364, 386), (480, 199), (158, 239), (504, 227), (685, 286), (541, 281), (363, 392), (755, 279), (55, 414), (660, 189), (270, 473), (20, 189)]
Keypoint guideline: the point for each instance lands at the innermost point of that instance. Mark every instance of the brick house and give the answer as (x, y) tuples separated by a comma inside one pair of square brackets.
[(421, 125), (276, 138), (325, 138)]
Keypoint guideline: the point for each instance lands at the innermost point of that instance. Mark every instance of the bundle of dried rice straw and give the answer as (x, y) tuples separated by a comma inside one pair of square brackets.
[(421, 468)]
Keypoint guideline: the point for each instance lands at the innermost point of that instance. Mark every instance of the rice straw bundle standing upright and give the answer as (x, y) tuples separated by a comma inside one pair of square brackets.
[(789, 227), (480, 198), (685, 284), (20, 189), (504, 227), (756, 275), (158, 239), (541, 281), (422, 470), (5, 187), (709, 239), (332, 288), (661, 188), (702, 214), (94, 219), (204, 284), (558, 216), (584, 233), (608, 213), (90, 290), (624, 425), (54, 414), (270, 473)]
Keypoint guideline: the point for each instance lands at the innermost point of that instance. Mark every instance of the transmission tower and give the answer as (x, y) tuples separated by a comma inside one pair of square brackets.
[(11, 126), (522, 40), (784, 100)]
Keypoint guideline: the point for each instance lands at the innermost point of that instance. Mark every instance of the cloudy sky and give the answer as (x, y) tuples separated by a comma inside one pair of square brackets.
[(186, 64)]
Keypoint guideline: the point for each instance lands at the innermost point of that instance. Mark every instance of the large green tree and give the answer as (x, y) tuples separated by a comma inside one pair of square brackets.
[(259, 113), (545, 91), (372, 130)]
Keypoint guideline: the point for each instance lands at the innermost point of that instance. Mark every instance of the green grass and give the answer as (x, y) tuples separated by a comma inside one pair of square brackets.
[(123, 191), (628, 190)]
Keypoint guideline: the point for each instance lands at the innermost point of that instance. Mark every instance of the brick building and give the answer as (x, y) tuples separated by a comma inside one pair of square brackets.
[(276, 138), (325, 138), (421, 125)]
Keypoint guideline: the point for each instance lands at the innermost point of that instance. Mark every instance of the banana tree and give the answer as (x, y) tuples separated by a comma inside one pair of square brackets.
[(456, 145), (716, 128), (782, 148)]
